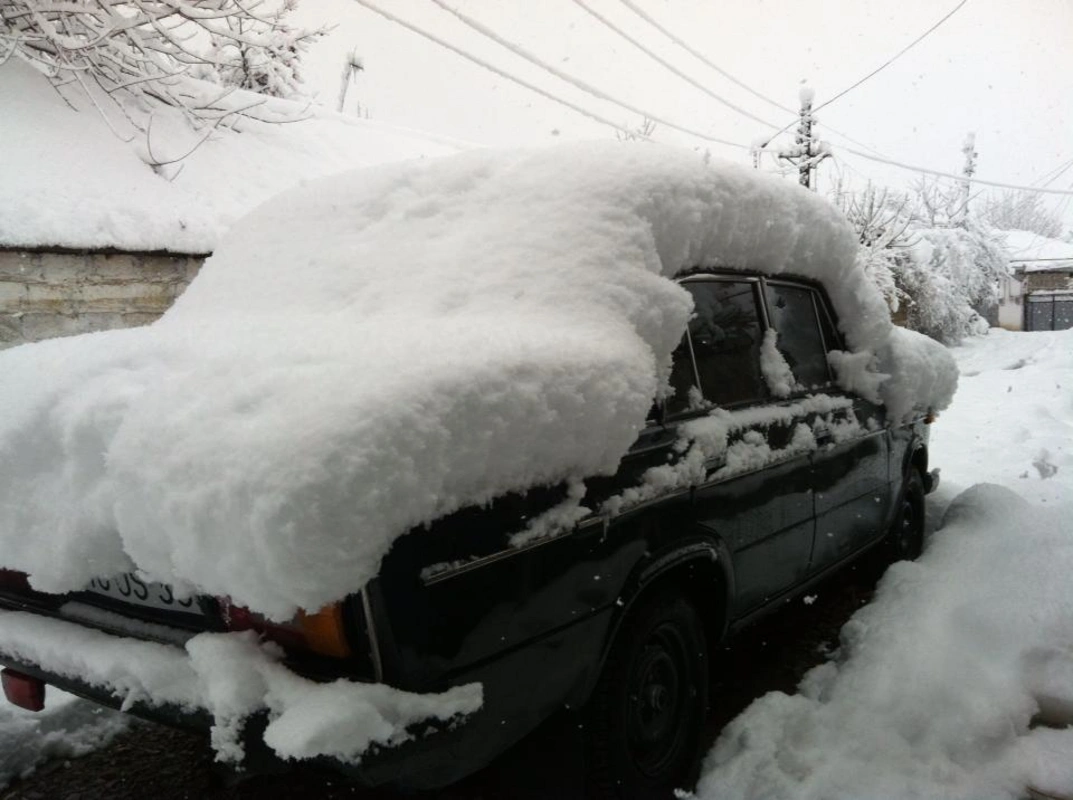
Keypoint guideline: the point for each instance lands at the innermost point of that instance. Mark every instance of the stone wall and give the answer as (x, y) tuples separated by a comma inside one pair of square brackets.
[(47, 293)]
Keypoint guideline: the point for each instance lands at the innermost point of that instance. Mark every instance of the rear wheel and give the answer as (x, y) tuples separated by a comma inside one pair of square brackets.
[(905, 541), (645, 721)]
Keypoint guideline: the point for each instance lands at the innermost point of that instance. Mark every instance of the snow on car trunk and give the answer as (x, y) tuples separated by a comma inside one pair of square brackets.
[(372, 351)]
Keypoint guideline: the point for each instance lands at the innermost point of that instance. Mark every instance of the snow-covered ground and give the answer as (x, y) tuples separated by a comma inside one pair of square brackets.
[(938, 680), (950, 682), (67, 728)]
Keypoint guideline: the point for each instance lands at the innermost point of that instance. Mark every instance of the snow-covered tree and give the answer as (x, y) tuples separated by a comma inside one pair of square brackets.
[(141, 49), (881, 219), (642, 132), (937, 205), (929, 256), (261, 54), (951, 275), (1021, 211)]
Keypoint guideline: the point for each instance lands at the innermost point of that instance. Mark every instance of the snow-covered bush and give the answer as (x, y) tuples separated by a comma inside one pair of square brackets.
[(950, 274), (929, 256)]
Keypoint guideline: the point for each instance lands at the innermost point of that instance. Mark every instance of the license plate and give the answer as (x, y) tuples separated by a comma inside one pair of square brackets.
[(129, 588)]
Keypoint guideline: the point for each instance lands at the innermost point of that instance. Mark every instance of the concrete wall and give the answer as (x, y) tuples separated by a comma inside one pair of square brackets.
[(47, 293), (1048, 281)]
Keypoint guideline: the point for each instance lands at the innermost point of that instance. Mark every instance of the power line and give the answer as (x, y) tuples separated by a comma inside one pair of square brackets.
[(1059, 169), (574, 81), (698, 55), (927, 171), (896, 56), (667, 65), (480, 62), (1057, 174)]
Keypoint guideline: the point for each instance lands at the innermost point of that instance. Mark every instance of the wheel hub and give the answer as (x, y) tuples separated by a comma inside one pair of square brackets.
[(657, 703)]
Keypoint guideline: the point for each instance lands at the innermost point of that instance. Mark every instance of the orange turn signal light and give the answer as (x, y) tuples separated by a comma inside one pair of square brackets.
[(324, 632), (321, 632)]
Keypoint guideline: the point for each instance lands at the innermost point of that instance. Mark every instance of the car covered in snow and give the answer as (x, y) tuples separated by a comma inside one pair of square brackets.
[(431, 452)]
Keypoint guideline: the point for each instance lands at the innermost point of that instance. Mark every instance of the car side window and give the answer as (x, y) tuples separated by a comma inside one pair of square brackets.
[(725, 333), (792, 312), (683, 378), (831, 337)]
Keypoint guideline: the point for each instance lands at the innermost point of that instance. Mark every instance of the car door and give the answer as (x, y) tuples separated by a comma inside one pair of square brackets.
[(850, 465), (755, 492)]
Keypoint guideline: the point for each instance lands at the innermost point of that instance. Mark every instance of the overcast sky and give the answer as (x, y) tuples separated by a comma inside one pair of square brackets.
[(1000, 68)]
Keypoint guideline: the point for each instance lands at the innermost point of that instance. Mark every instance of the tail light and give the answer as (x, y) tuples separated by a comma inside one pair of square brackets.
[(322, 632), (22, 690)]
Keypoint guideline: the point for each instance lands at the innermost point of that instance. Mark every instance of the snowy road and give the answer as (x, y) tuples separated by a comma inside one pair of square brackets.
[(949, 684)]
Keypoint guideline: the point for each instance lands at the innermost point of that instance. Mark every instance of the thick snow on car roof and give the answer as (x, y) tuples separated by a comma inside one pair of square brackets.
[(371, 351)]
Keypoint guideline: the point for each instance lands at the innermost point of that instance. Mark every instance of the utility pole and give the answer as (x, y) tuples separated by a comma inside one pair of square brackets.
[(806, 152), (803, 138), (351, 68), (968, 170)]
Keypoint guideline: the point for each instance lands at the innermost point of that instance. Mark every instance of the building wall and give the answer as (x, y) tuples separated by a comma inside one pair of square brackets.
[(1011, 312), (48, 293), (1048, 281)]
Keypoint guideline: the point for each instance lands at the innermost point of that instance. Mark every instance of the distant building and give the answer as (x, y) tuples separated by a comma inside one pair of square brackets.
[(1039, 294)]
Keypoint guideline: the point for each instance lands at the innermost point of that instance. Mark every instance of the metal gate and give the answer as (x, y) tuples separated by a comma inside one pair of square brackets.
[(1049, 311)]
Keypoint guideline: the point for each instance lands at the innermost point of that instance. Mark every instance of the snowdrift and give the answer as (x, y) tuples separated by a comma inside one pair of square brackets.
[(371, 351), (939, 682)]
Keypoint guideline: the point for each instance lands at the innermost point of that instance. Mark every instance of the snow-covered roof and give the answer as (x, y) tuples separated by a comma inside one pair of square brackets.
[(69, 181), (1034, 253), (371, 351)]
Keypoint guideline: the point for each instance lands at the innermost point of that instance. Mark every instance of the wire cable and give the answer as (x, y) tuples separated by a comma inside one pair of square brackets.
[(701, 57), (1061, 171), (896, 56), (667, 65), (574, 81), (939, 173), (531, 87)]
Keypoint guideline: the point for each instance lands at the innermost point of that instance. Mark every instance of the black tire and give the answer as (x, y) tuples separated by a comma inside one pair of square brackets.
[(645, 722), (905, 540)]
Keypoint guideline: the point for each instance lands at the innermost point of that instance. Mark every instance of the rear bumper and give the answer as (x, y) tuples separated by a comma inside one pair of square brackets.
[(259, 711)]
